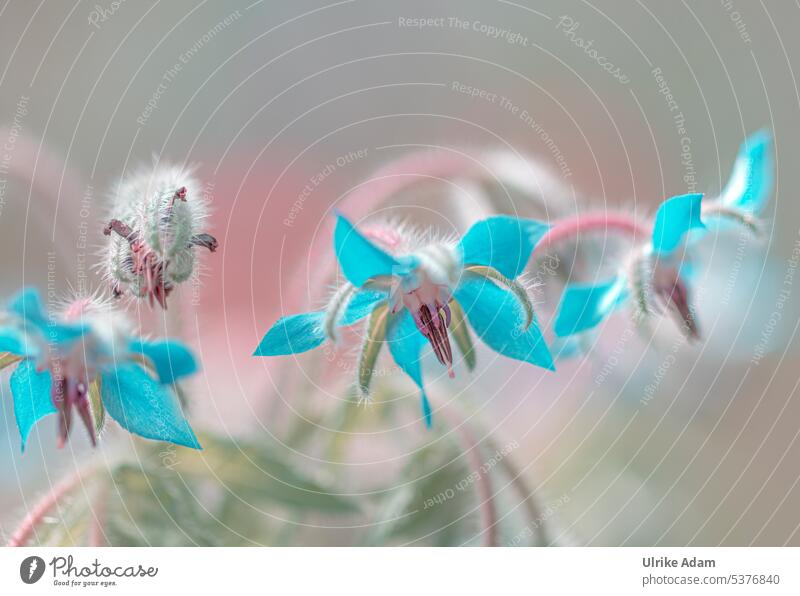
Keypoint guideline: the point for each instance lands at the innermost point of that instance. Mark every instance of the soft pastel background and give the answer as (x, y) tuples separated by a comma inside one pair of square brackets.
[(275, 91)]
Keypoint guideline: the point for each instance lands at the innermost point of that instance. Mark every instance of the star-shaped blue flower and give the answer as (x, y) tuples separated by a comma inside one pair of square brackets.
[(61, 360), (654, 271), (416, 290)]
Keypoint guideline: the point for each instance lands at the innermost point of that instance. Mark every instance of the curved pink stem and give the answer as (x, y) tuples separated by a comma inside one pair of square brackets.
[(23, 533), (392, 178), (406, 171), (575, 226)]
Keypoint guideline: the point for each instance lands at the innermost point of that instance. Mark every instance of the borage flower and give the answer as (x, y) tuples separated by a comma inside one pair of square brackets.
[(88, 359), (657, 274), (417, 289), (155, 226)]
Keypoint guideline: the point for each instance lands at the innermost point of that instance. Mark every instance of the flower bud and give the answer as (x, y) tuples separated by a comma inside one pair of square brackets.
[(156, 223)]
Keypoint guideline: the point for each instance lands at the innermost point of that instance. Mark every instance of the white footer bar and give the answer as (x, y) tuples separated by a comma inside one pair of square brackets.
[(389, 571)]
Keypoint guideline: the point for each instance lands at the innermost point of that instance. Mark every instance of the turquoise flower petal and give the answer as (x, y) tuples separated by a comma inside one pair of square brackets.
[(427, 413), (31, 392), (300, 333), (361, 304), (753, 178), (171, 359), (142, 406), (405, 344), (28, 305), (502, 242), (497, 317), (293, 335), (360, 259), (674, 218), (11, 340), (584, 306)]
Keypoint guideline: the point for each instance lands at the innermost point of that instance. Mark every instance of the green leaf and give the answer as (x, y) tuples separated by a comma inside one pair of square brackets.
[(7, 359), (376, 333), (233, 493), (153, 507), (433, 507), (96, 407), (461, 334), (261, 471)]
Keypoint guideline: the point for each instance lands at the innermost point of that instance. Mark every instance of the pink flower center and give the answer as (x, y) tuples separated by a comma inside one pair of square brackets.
[(67, 392), (433, 325), (152, 268), (429, 307)]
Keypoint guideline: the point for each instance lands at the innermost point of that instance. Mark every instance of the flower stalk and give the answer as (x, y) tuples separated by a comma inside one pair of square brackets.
[(574, 227), (27, 528), (484, 488)]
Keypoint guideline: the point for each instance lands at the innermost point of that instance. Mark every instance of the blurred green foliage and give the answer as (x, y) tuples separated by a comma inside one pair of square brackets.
[(245, 493)]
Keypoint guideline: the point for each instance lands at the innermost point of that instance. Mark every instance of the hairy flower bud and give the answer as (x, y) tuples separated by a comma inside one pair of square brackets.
[(156, 222)]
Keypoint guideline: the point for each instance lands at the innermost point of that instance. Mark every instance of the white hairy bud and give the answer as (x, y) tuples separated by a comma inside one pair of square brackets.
[(157, 220)]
